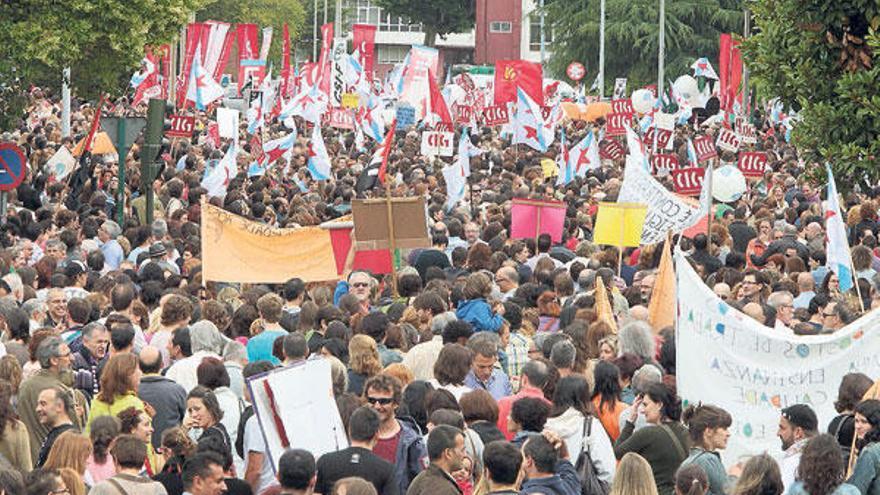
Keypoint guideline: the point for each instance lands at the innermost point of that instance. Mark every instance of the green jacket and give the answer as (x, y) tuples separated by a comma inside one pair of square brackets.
[(27, 404)]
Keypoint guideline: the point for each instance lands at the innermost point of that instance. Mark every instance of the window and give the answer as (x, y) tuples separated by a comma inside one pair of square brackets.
[(535, 33), (392, 54), (500, 27)]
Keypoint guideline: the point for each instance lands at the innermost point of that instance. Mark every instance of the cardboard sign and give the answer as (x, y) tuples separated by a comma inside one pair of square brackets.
[(371, 223), (531, 218), (705, 148), (746, 131), (622, 105), (663, 137), (350, 100), (664, 161), (181, 126), (340, 118), (437, 143), (617, 124), (619, 88), (727, 140), (688, 181), (549, 168), (495, 115), (752, 164), (406, 116), (610, 149)]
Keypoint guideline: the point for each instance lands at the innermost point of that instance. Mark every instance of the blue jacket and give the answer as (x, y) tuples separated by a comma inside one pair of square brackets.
[(564, 482), (478, 313), (843, 489), (412, 456), (866, 473)]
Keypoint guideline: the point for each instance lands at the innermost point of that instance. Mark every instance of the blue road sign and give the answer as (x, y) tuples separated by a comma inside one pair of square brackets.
[(12, 166)]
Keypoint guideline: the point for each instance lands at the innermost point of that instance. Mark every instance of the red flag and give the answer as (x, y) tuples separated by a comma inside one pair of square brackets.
[(438, 104), (386, 150), (225, 51), (729, 71), (510, 74), (286, 89), (364, 40), (324, 75), (193, 40)]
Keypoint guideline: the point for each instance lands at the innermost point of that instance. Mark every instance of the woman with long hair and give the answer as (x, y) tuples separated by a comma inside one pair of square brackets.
[(866, 473), (100, 464), (71, 450), (452, 366), (119, 384), (852, 388), (760, 476), (821, 469), (140, 424), (177, 446), (634, 476), (758, 245), (571, 418), (606, 397), (691, 480), (204, 416), (15, 443), (212, 373), (664, 441), (708, 428), (363, 362)]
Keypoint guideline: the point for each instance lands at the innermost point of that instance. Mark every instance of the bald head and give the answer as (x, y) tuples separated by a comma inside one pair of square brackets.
[(805, 282), (150, 360), (638, 312)]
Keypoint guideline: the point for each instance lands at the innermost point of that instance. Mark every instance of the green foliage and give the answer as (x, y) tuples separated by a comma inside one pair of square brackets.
[(631, 36), (100, 40), (439, 17), (797, 56), (263, 13)]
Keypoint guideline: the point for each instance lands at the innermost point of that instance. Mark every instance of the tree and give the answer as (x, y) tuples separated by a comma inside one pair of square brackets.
[(820, 58), (631, 36), (263, 13), (438, 17), (102, 41)]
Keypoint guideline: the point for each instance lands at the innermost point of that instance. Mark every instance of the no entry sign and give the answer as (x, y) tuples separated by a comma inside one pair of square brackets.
[(12, 164)]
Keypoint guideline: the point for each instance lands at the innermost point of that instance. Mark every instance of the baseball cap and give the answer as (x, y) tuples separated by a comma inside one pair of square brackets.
[(801, 415)]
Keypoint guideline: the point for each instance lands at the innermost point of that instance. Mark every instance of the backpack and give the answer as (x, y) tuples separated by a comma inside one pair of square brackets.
[(586, 471)]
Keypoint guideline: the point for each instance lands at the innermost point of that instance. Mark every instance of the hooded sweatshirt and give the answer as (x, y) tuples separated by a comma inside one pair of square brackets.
[(570, 426)]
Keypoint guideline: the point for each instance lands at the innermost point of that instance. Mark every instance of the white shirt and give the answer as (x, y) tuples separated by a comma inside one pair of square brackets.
[(421, 358), (184, 371), (788, 464), (253, 442)]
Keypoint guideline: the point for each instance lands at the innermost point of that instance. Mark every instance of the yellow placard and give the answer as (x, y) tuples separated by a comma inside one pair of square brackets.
[(235, 249), (550, 168), (350, 100), (619, 224)]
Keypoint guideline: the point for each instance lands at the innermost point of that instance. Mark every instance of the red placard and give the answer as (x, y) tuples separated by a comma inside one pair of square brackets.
[(181, 126), (664, 161), (495, 115), (610, 149), (340, 118), (705, 148), (663, 137), (752, 163), (443, 127), (257, 152), (617, 123), (688, 181), (623, 105), (462, 114)]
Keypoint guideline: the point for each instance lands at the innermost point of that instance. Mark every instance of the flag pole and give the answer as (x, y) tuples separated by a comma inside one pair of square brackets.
[(392, 246)]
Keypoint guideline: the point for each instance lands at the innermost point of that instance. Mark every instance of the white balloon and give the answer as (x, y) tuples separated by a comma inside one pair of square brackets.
[(687, 89), (728, 184), (642, 100)]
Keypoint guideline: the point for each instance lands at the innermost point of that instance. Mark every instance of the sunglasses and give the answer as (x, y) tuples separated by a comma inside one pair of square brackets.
[(360, 285), (382, 401)]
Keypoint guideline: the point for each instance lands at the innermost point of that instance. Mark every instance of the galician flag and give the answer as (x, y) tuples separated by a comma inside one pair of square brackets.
[(203, 89), (527, 123), (216, 181), (566, 171), (585, 155), (455, 180), (319, 160), (838, 257), (466, 151)]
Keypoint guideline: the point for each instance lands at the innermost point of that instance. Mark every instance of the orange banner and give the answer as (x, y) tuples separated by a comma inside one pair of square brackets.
[(235, 249)]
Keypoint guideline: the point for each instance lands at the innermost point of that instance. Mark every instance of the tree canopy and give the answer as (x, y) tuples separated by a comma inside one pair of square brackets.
[(631, 36), (820, 58), (439, 17)]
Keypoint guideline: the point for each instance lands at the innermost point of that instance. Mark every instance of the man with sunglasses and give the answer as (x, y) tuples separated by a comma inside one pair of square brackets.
[(398, 442), (360, 284)]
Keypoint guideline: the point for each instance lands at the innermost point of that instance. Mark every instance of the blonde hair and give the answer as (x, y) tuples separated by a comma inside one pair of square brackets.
[(401, 372), (70, 450), (73, 481), (363, 355), (633, 477)]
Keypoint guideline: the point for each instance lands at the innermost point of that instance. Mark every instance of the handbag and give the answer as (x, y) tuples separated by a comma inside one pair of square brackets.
[(591, 484)]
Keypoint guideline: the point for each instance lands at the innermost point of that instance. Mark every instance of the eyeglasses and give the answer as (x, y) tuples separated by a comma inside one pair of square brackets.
[(360, 285), (382, 401), (827, 315), (60, 490)]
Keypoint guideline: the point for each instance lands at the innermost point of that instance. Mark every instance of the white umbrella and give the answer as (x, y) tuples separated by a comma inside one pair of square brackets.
[(728, 184)]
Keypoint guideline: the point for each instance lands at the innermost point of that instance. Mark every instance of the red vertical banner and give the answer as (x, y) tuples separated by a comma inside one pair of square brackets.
[(193, 40), (224, 55), (730, 71), (286, 69), (324, 64), (248, 49), (736, 72), (364, 40), (165, 68)]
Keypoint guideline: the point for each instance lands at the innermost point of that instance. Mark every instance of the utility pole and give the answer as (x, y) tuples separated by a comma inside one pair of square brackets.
[(747, 27), (661, 49), (65, 103), (542, 32), (315, 31), (602, 49)]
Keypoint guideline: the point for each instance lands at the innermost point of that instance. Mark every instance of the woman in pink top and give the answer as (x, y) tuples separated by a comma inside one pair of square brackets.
[(100, 464)]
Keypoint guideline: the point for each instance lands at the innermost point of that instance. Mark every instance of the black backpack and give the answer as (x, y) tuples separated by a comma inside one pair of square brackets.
[(590, 482)]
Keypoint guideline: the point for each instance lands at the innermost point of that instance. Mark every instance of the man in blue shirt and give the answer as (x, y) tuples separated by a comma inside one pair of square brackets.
[(113, 253), (485, 373), (259, 347)]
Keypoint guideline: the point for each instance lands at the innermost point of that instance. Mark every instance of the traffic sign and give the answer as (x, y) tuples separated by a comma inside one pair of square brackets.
[(575, 71), (12, 166)]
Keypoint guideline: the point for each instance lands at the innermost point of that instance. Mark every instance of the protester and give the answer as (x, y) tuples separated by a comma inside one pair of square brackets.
[(796, 426), (707, 426)]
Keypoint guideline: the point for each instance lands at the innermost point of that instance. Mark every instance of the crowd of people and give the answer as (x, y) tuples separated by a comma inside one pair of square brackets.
[(483, 367)]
